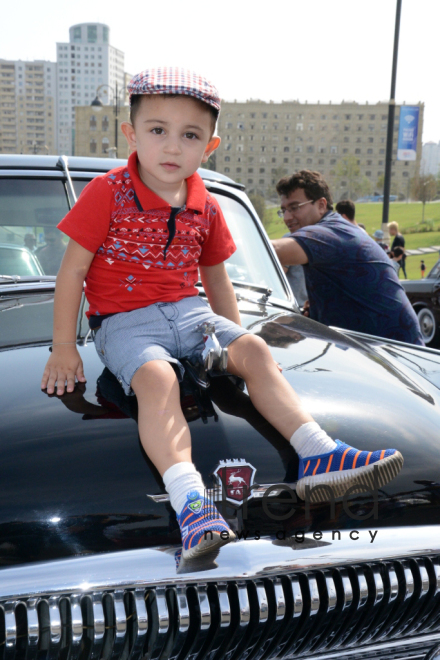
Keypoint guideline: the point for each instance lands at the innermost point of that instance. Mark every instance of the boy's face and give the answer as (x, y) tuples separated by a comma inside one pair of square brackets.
[(172, 137)]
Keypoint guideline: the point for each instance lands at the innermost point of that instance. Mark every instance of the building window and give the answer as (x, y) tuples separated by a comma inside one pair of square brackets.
[(105, 32), (285, 160), (287, 149), (321, 161), (227, 170), (311, 127), (92, 34), (261, 182), (227, 159), (310, 150), (238, 169), (250, 170), (346, 139), (357, 151), (262, 170), (250, 180), (405, 174), (333, 149), (322, 150), (299, 127), (92, 123), (105, 145), (77, 33), (368, 173), (345, 151), (309, 161), (105, 123), (93, 146), (381, 151)]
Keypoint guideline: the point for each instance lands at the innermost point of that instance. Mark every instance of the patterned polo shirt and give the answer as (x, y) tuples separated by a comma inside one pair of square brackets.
[(351, 282), (133, 267)]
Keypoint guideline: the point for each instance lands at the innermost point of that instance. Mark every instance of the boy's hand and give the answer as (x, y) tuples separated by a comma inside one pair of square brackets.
[(63, 365)]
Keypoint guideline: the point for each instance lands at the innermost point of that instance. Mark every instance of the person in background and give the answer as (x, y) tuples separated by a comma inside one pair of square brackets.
[(422, 268), (347, 209), (378, 237), (51, 255), (30, 242), (396, 257), (398, 241), (350, 281)]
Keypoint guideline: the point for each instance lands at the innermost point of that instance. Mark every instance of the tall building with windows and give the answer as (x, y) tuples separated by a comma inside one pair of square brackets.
[(430, 159), (87, 66), (28, 108), (262, 141)]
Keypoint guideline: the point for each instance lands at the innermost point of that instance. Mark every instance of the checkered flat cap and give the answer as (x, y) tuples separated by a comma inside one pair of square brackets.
[(173, 80)]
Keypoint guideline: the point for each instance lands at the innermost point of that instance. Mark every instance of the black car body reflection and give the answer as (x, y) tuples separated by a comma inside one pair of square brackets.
[(89, 543)]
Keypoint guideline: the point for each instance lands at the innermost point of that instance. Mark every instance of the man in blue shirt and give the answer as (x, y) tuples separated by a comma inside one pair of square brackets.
[(350, 280)]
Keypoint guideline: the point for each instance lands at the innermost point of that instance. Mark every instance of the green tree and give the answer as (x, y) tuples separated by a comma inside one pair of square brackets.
[(380, 183), (259, 204), (348, 176), (211, 162), (424, 189), (277, 173)]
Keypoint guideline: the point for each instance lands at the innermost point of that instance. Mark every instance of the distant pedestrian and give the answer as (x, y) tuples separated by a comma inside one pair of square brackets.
[(378, 237), (347, 209), (398, 241), (396, 257), (422, 268)]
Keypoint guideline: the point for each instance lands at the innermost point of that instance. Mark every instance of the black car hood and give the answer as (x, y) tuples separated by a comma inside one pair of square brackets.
[(75, 479)]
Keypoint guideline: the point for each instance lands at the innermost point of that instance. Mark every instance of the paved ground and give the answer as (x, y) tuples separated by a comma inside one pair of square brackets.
[(424, 250)]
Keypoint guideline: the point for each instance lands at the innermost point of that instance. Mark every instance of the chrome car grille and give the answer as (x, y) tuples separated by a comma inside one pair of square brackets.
[(375, 609)]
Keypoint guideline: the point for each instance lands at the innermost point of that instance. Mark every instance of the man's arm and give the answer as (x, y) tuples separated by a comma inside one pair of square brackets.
[(65, 362), (220, 292), (289, 252)]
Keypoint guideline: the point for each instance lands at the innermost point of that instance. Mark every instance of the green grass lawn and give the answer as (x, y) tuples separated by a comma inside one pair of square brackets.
[(407, 215)]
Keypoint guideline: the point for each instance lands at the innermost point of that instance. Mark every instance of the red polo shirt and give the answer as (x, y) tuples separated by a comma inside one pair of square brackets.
[(129, 269)]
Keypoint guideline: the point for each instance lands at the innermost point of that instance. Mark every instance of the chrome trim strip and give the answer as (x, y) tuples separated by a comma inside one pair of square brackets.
[(215, 494), (376, 649), (242, 560)]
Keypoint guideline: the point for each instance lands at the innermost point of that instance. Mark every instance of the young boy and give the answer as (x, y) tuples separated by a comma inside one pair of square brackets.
[(138, 236)]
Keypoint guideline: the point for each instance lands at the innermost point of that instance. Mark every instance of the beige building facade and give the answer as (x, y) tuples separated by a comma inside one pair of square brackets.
[(262, 141), (95, 131), (28, 111)]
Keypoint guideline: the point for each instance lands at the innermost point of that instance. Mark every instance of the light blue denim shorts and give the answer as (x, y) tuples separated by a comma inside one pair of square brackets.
[(162, 331)]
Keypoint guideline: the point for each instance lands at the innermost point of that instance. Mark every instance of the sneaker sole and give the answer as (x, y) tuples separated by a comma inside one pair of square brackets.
[(366, 477), (208, 546)]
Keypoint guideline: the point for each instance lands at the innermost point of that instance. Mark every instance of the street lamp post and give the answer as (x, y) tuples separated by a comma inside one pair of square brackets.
[(97, 101), (390, 132)]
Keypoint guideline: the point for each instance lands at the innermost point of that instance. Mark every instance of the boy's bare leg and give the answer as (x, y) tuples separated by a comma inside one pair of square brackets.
[(324, 463), (163, 428), (166, 439), (271, 394)]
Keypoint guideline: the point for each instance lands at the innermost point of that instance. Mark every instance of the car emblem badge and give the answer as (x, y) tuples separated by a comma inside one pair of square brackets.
[(234, 480)]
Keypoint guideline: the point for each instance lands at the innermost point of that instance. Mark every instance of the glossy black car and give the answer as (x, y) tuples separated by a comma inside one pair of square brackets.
[(424, 295), (88, 540)]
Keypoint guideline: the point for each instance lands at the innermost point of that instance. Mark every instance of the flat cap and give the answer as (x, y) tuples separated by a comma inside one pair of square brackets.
[(173, 80)]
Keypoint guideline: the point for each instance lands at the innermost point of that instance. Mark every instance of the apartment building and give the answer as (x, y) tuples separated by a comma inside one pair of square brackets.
[(430, 159), (261, 141), (28, 108), (95, 131), (87, 66)]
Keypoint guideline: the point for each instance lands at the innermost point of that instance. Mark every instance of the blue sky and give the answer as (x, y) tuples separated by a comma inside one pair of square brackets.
[(327, 50)]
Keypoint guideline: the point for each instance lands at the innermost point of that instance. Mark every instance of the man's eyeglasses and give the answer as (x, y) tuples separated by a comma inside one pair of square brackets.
[(292, 208)]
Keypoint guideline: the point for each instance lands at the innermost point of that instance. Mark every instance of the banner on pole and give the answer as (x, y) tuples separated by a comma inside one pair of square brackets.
[(408, 128)]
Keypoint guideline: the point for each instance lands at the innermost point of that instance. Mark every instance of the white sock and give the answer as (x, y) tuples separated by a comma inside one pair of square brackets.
[(310, 440), (179, 480)]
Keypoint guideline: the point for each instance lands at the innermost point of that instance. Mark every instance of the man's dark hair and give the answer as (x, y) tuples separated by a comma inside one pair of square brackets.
[(346, 207), (313, 184), (136, 99)]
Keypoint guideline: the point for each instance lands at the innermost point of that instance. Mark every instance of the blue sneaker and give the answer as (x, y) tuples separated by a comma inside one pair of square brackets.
[(345, 467), (202, 527)]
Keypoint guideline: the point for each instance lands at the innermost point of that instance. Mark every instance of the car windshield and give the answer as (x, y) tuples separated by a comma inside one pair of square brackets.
[(30, 209), (435, 272), (252, 262)]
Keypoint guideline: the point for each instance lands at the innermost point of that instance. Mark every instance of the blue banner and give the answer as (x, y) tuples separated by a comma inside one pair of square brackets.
[(408, 128)]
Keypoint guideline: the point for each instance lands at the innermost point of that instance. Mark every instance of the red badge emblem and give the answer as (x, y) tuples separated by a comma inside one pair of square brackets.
[(234, 480)]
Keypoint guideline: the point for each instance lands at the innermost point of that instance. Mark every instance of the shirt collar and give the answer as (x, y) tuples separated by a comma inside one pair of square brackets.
[(196, 195)]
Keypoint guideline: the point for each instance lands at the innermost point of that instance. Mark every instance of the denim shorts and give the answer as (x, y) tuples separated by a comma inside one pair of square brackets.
[(162, 331)]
